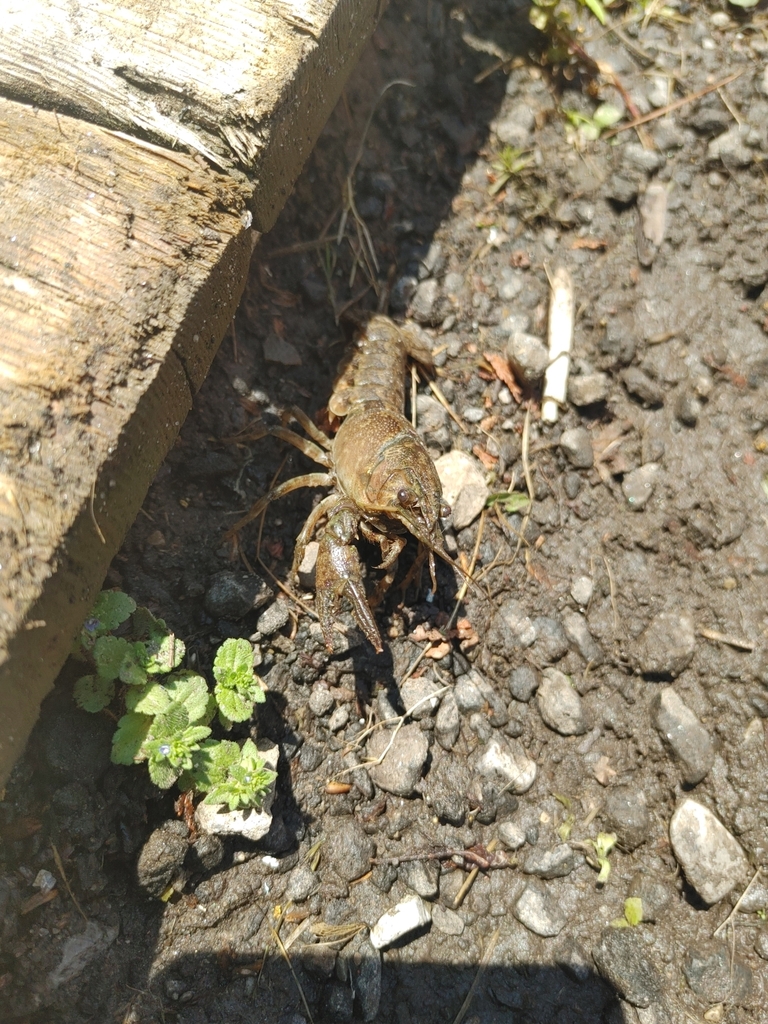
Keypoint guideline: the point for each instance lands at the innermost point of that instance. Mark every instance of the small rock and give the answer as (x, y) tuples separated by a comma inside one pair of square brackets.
[(639, 159), (684, 734), (642, 386), (421, 692), (339, 1003), (349, 849), (339, 718), (539, 912), (654, 894), (464, 486), (688, 409), (505, 759), (626, 814), (401, 769), (424, 301), (761, 944), (730, 148), (713, 861), (473, 413), (306, 570), (523, 683), (402, 292), (162, 857), (302, 883), (273, 618), (551, 642), (516, 127), (667, 645), (528, 356), (448, 722), (404, 919), (622, 958), (589, 389), (252, 823), (582, 589), (559, 704), (511, 283), (510, 630), (577, 631), (231, 595), (205, 854), (714, 974), (555, 863), (421, 876), (576, 445), (445, 790), (637, 486), (512, 835), (81, 950), (446, 920), (320, 700), (367, 980), (621, 189), (467, 693), (277, 350)]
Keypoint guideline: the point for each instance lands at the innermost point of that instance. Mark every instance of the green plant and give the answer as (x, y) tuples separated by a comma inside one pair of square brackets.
[(633, 913), (509, 162), (509, 501), (169, 710), (590, 128)]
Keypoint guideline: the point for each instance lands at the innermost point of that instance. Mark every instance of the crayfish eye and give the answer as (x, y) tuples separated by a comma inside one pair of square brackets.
[(406, 498), (445, 510)]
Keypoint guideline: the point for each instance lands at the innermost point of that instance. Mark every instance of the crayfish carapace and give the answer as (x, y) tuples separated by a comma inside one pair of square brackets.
[(384, 482)]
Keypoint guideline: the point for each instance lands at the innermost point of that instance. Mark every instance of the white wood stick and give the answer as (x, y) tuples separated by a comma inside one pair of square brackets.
[(560, 341)]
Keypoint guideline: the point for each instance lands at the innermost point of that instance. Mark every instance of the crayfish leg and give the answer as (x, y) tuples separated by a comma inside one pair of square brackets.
[(307, 480)]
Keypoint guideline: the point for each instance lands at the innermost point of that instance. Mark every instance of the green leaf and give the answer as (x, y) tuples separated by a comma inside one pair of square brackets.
[(246, 783), (172, 721), (112, 608), (606, 115), (162, 773), (258, 694), (233, 665), (132, 731), (633, 910), (163, 652), (597, 9), (145, 624), (92, 693), (191, 690), (211, 763), (131, 672), (510, 501), (152, 699), (108, 654), (234, 707), (195, 733)]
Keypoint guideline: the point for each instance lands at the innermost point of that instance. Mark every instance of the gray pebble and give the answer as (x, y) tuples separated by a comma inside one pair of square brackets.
[(589, 389), (641, 386), (512, 835), (528, 356), (731, 148), (621, 188), (559, 704), (667, 645), (576, 445), (626, 814), (424, 301), (555, 863), (506, 760), (551, 641), (273, 618), (162, 856), (301, 884), (713, 861), (339, 718), (654, 894), (206, 853), (231, 595), (688, 409), (523, 683), (577, 630), (539, 912), (349, 849), (401, 769), (581, 590), (467, 694), (308, 565), (367, 980), (510, 629), (446, 920), (421, 876), (420, 693), (474, 413), (511, 283), (637, 158), (311, 757), (320, 700), (447, 723), (714, 974), (572, 483), (638, 485), (684, 734), (761, 944), (622, 958), (445, 788)]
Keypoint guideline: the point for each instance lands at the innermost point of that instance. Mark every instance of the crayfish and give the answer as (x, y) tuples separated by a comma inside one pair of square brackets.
[(384, 482)]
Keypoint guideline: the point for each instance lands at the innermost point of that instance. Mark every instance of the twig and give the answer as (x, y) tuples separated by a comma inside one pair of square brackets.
[(480, 971), (64, 878), (469, 881), (612, 589), (484, 860), (444, 402), (737, 903), (284, 951), (672, 106), (561, 310), (726, 638), (93, 513)]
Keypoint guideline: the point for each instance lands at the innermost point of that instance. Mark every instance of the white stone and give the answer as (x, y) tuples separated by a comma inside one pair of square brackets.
[(464, 486), (713, 861), (252, 823), (506, 759), (638, 485), (581, 590), (512, 835), (306, 571), (401, 920)]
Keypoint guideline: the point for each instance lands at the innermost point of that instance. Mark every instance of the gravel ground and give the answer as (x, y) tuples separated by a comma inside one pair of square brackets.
[(611, 670)]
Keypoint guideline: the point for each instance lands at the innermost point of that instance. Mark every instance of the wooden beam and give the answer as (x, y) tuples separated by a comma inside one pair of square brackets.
[(126, 230)]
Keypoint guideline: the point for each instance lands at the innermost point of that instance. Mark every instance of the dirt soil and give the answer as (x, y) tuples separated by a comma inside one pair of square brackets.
[(612, 667)]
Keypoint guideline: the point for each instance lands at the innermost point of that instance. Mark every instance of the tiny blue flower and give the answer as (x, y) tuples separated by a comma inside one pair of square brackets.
[(165, 749)]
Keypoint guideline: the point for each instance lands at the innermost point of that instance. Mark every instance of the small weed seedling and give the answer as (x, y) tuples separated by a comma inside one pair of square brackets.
[(633, 914), (169, 710), (509, 162)]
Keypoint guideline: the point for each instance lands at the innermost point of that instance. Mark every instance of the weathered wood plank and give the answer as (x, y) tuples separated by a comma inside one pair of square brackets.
[(120, 268), (246, 83)]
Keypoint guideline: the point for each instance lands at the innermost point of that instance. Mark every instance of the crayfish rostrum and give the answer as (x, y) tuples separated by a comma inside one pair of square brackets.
[(384, 482)]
